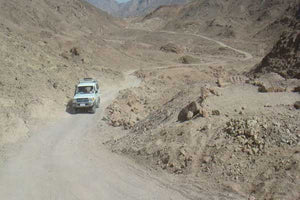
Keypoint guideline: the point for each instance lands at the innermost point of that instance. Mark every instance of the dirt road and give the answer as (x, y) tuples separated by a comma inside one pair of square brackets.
[(246, 55), (67, 161)]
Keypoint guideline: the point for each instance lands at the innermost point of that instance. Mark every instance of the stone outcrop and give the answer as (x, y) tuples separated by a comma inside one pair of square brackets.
[(171, 48), (189, 111)]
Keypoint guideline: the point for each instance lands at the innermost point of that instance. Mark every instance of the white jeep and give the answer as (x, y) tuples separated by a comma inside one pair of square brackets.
[(87, 95)]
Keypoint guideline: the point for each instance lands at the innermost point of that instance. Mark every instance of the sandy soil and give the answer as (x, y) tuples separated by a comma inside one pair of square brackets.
[(212, 150), (69, 158), (68, 161)]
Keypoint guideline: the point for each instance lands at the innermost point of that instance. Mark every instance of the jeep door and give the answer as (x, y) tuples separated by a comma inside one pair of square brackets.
[(97, 94)]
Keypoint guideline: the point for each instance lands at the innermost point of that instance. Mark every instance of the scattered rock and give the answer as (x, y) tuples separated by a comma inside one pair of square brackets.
[(75, 51), (187, 59), (65, 55), (184, 114), (170, 47), (297, 89), (55, 85), (221, 82), (216, 112), (214, 91), (190, 115), (267, 106), (204, 113), (206, 159), (205, 92), (297, 105), (246, 132), (271, 82), (126, 110), (269, 88)]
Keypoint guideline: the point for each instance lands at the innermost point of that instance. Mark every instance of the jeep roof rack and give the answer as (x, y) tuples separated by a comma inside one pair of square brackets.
[(84, 80)]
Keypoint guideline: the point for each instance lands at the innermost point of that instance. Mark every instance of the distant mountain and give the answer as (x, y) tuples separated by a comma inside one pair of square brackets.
[(143, 7), (229, 19), (110, 6), (59, 16)]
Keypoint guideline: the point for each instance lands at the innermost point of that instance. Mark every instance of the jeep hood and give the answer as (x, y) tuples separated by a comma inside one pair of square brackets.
[(78, 96)]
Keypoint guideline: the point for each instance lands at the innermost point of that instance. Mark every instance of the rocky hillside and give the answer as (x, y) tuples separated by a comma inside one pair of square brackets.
[(143, 7), (45, 47), (284, 58), (56, 16), (222, 135), (164, 12), (228, 19), (110, 6)]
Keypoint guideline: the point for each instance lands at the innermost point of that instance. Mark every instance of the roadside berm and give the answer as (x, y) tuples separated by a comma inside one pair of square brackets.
[(235, 136)]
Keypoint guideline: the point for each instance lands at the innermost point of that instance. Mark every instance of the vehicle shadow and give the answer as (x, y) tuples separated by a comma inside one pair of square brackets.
[(72, 111), (69, 107)]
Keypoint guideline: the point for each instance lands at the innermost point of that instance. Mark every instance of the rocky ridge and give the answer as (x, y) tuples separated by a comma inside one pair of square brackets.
[(284, 58), (143, 7), (228, 19), (110, 6)]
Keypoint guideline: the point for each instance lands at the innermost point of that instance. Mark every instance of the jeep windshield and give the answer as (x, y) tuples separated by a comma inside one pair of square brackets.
[(85, 90)]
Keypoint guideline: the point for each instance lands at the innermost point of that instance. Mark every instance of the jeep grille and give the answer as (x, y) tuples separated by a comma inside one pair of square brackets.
[(82, 100)]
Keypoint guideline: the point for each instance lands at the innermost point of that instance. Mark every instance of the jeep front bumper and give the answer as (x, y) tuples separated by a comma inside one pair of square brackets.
[(83, 105)]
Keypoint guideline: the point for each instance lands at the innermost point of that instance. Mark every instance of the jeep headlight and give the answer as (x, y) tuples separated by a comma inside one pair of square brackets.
[(92, 99), (74, 101)]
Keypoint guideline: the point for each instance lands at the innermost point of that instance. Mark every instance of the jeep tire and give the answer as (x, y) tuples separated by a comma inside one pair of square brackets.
[(93, 109), (73, 110), (98, 103)]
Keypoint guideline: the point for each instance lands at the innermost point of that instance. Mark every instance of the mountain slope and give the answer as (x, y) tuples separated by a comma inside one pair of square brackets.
[(143, 7), (45, 47), (110, 6), (273, 24), (284, 58), (228, 19)]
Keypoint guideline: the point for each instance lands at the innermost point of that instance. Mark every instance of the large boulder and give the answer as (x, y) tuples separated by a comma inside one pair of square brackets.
[(273, 82), (297, 105), (189, 111)]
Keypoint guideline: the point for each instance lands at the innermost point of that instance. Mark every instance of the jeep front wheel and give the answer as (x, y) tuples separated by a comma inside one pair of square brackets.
[(93, 109), (98, 103)]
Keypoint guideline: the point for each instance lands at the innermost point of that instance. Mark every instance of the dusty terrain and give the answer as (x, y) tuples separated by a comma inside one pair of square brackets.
[(181, 117), (243, 138), (67, 160)]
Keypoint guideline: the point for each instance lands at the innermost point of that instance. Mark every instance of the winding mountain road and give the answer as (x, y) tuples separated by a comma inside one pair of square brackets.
[(247, 55), (68, 161)]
